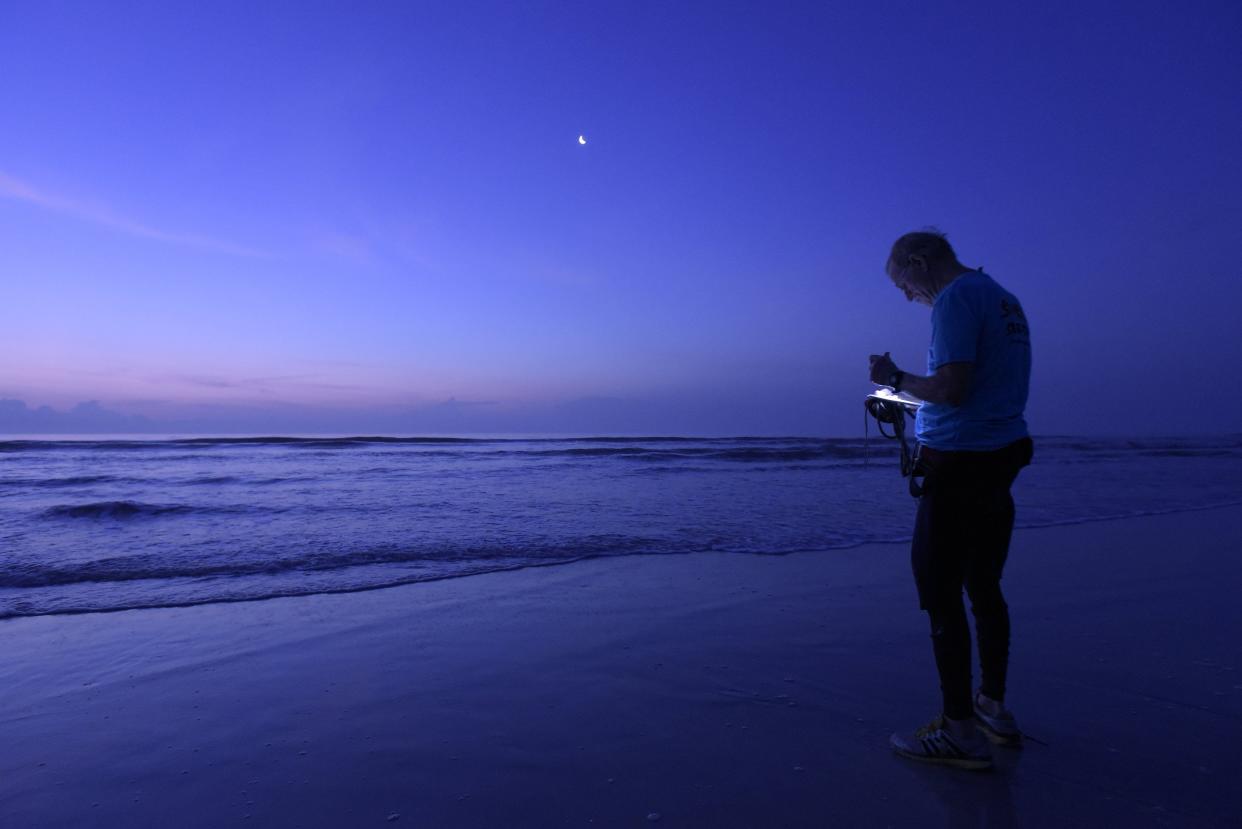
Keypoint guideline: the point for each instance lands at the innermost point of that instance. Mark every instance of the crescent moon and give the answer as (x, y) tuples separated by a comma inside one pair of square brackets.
[(581, 139)]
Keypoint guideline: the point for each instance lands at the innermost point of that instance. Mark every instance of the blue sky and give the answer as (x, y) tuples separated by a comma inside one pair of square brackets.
[(339, 216)]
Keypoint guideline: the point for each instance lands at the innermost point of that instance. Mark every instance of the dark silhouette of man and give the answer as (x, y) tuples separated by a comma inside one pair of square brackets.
[(973, 440)]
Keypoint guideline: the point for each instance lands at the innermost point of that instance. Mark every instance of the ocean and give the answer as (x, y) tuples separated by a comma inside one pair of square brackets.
[(92, 525)]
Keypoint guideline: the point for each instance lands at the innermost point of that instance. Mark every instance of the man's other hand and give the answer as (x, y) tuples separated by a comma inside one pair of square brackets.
[(882, 368)]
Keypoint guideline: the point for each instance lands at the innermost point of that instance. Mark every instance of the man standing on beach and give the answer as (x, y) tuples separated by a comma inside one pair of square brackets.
[(973, 440)]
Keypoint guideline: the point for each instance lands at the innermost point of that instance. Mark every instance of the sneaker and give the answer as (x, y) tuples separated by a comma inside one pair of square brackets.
[(996, 721), (940, 741)]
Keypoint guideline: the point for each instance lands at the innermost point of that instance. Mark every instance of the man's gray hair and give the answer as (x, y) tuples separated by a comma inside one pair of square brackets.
[(928, 242)]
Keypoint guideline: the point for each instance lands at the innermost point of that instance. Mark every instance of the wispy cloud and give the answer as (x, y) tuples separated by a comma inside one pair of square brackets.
[(263, 385), (17, 190), (454, 403), (344, 246)]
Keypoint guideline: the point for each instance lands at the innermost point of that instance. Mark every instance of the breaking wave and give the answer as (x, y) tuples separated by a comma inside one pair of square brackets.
[(139, 567), (132, 509)]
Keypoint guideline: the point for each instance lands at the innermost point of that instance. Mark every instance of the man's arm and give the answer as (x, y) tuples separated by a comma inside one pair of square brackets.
[(949, 385)]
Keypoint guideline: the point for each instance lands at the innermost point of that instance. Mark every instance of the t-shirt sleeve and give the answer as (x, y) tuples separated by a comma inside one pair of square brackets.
[(955, 331)]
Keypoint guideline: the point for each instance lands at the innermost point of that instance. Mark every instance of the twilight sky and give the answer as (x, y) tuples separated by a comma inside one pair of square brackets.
[(358, 216)]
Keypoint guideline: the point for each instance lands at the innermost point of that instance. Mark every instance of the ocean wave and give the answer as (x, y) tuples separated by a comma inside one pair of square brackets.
[(132, 509), (274, 440), (747, 454), (1058, 449), (241, 579), (143, 567), (25, 608), (1187, 452), (377, 440), (1110, 448), (53, 483), (752, 450)]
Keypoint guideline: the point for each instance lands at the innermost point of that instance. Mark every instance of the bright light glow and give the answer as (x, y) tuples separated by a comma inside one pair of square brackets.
[(581, 139)]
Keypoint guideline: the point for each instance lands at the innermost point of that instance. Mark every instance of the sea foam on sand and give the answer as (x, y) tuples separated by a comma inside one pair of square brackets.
[(708, 690)]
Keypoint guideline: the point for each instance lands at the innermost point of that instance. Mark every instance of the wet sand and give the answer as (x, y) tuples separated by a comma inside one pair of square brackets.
[(701, 690)]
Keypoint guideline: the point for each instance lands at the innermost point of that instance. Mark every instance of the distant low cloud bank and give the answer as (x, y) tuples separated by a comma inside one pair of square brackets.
[(85, 418), (582, 416)]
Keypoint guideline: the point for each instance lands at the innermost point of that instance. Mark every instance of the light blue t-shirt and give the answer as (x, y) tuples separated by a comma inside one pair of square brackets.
[(975, 320)]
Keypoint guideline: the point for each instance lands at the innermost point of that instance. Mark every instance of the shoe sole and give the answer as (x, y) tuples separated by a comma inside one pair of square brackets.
[(956, 762), (998, 737)]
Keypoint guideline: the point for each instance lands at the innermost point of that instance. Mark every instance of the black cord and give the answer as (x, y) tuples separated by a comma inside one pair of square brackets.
[(894, 414)]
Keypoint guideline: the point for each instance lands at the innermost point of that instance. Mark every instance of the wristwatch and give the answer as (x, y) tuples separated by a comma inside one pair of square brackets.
[(895, 379)]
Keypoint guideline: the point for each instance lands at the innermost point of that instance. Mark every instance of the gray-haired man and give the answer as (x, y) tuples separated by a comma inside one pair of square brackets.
[(973, 439)]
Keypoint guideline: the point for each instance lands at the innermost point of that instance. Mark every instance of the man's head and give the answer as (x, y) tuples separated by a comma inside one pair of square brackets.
[(921, 264)]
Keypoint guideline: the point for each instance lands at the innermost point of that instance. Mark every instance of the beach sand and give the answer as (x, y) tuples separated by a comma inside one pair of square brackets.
[(701, 690)]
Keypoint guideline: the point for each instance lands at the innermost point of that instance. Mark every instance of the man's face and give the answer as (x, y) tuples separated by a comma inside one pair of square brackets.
[(913, 280)]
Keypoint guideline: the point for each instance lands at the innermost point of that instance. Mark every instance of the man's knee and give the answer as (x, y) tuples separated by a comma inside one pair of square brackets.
[(947, 619), (987, 601)]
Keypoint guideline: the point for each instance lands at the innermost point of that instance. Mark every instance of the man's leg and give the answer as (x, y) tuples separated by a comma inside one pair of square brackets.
[(951, 643), (983, 575), (936, 556), (992, 630)]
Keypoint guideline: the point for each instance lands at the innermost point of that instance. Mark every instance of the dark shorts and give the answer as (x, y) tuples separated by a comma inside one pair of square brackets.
[(965, 519)]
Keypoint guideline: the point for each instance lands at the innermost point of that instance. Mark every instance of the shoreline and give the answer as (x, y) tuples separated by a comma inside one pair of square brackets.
[(227, 600), (714, 690)]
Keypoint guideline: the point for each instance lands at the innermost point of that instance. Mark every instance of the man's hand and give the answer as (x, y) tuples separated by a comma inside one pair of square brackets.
[(882, 368), (950, 385)]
